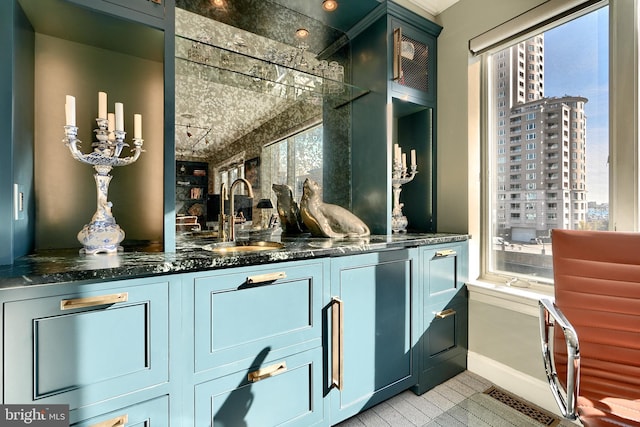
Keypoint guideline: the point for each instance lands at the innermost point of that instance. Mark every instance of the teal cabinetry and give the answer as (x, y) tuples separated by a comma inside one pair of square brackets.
[(297, 343), (149, 12), (442, 332), (88, 346), (257, 345), (154, 412), (371, 317), (272, 392), (400, 109)]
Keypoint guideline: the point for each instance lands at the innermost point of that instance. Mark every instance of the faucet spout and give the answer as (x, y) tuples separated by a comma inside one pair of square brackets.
[(232, 225), (222, 216)]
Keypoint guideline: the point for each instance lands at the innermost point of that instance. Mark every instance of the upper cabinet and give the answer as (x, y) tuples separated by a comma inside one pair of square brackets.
[(394, 55), (151, 12)]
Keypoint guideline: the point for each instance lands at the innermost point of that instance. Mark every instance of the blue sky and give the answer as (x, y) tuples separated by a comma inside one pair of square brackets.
[(576, 64)]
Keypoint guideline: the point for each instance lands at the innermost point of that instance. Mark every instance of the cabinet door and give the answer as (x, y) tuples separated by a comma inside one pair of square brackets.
[(370, 319), (239, 313), (413, 61), (442, 339), (86, 347), (272, 392)]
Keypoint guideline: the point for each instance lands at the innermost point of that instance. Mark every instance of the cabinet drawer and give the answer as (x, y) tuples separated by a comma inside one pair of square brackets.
[(292, 396), (57, 353), (235, 320), (444, 342), (153, 412), (442, 272)]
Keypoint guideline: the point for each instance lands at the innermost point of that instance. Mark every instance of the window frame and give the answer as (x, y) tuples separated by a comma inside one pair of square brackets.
[(624, 200)]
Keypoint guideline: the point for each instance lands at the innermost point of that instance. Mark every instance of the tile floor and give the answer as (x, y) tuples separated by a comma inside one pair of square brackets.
[(408, 409)]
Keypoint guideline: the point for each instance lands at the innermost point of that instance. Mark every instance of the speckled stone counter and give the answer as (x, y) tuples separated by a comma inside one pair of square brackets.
[(67, 266)]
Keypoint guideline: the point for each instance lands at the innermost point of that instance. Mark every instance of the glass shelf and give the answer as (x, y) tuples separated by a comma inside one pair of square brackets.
[(267, 77)]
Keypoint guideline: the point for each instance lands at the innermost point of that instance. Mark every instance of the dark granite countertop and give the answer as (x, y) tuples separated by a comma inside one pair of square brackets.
[(68, 266)]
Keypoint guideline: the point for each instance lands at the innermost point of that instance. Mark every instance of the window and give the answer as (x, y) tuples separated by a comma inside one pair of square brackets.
[(558, 110), (293, 159)]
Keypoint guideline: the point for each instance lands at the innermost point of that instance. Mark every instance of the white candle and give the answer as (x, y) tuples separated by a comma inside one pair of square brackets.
[(70, 110), (119, 116), (112, 121), (404, 160), (102, 105), (396, 152), (137, 126), (413, 158)]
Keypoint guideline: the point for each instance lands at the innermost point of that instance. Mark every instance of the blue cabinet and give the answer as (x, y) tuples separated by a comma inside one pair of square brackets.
[(272, 392), (370, 318), (442, 332), (256, 335), (154, 412), (88, 346)]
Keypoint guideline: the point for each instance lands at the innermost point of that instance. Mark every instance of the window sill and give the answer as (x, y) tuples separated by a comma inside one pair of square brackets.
[(521, 300)]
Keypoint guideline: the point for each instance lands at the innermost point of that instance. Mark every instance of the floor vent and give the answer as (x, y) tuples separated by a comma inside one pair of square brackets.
[(524, 407)]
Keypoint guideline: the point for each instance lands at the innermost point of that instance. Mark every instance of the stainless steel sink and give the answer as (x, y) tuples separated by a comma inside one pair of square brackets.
[(242, 246)]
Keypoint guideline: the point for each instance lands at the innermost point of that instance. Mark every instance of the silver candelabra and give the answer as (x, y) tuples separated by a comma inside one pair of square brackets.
[(400, 175), (102, 234)]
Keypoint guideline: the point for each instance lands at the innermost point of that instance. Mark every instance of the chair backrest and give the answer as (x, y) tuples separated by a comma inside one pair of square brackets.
[(597, 287)]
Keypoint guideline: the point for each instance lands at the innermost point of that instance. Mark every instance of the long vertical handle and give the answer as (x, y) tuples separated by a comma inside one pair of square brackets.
[(337, 342), (397, 54)]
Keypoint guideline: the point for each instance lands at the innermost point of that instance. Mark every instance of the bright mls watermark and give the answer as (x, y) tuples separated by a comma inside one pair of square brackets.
[(34, 415)]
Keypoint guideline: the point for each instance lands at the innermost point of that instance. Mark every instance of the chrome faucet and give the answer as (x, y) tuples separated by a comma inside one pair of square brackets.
[(232, 222), (222, 216)]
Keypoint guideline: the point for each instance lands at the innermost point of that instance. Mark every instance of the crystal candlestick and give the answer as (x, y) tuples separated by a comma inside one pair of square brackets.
[(102, 234), (400, 175)]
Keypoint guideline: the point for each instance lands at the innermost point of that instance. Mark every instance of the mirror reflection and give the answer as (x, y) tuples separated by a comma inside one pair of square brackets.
[(269, 105)]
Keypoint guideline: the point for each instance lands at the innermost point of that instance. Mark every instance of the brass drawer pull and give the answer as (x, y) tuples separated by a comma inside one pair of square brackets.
[(337, 343), (445, 313), (445, 252), (268, 277), (69, 304), (267, 372), (113, 422)]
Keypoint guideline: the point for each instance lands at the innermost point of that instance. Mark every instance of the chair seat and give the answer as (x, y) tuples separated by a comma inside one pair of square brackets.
[(608, 411)]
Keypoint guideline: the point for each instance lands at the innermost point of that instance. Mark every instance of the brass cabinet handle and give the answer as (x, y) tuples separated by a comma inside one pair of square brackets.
[(445, 313), (69, 304), (113, 422), (337, 343), (268, 277), (267, 372), (445, 252), (397, 54)]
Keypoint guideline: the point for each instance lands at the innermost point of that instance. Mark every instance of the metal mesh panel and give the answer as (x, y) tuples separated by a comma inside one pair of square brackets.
[(415, 63)]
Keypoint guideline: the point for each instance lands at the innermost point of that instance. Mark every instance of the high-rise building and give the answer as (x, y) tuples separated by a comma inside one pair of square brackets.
[(540, 148)]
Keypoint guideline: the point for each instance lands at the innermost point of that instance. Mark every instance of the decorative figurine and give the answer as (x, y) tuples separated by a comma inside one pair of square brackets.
[(288, 210), (327, 220)]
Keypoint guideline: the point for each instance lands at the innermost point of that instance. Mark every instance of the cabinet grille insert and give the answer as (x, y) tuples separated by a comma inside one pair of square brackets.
[(526, 408), (414, 64)]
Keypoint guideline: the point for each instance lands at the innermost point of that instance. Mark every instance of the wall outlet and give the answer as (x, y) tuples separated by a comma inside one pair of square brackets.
[(18, 202)]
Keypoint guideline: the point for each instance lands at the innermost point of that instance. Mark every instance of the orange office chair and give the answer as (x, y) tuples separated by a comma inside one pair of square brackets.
[(593, 362)]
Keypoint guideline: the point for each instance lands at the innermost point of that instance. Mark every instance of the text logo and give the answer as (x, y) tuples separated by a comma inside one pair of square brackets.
[(34, 415)]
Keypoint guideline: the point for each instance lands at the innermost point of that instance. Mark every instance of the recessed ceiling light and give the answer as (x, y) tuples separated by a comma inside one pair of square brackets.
[(329, 5), (302, 33), (217, 3)]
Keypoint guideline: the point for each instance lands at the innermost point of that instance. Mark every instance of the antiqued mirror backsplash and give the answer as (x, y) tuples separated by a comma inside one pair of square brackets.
[(252, 107)]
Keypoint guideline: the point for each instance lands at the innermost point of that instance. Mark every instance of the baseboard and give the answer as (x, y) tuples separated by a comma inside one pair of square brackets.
[(516, 382)]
